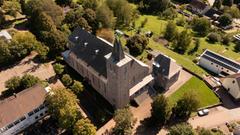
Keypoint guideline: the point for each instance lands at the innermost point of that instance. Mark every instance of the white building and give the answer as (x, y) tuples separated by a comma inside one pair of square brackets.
[(218, 64), (22, 110), (232, 84)]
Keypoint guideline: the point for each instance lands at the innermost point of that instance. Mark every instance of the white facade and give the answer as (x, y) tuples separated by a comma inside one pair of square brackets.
[(232, 86), (25, 121)]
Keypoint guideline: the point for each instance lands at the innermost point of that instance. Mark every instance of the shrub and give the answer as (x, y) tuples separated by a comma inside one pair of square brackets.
[(66, 80), (214, 37), (226, 39), (13, 83), (28, 81), (77, 87), (58, 68)]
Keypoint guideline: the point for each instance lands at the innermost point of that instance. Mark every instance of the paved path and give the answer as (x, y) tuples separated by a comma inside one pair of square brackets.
[(27, 66), (219, 117)]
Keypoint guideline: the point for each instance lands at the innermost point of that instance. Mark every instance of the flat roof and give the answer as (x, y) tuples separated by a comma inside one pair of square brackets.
[(18, 105)]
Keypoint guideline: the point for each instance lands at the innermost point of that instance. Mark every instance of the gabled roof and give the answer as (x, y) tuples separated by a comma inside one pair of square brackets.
[(90, 49), (221, 60), (198, 4), (23, 102), (166, 65)]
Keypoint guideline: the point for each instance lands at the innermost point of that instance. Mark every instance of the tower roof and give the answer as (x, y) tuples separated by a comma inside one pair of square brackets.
[(117, 52)]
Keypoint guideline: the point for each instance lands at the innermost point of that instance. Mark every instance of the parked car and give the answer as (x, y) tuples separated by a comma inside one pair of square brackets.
[(203, 112)]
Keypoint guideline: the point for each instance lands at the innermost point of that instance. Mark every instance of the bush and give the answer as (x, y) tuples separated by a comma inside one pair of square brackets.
[(13, 83), (66, 80), (225, 20), (226, 40), (181, 22), (169, 13), (58, 68), (214, 37), (77, 87), (28, 81)]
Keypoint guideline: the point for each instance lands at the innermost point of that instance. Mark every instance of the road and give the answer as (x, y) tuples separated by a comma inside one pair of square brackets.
[(215, 118)]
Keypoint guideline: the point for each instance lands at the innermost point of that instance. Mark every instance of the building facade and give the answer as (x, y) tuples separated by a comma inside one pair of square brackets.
[(218, 64), (116, 75), (232, 84), (22, 110)]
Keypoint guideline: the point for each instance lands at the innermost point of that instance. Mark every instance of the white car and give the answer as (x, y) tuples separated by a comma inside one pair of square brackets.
[(203, 112)]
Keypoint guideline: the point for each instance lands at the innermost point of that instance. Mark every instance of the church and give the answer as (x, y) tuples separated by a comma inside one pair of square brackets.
[(116, 75)]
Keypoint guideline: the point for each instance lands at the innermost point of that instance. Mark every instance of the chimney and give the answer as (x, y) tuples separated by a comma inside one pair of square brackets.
[(15, 95)]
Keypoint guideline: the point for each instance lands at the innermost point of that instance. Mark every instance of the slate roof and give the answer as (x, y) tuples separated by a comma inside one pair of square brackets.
[(25, 101), (90, 49), (165, 65), (198, 4), (210, 13), (221, 60)]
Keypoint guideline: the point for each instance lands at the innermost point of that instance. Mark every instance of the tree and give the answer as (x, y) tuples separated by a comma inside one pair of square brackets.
[(182, 42), (28, 81), (203, 131), (13, 84), (237, 47), (124, 122), (228, 2), (105, 16), (226, 39), (93, 4), (1, 2), (154, 6), (47, 6), (5, 53), (77, 87), (66, 80), (137, 44), (11, 7), (106, 34), (217, 4), (63, 106), (181, 129), (122, 11), (170, 13), (185, 106), (201, 25), (214, 37), (233, 11), (225, 20), (84, 127), (160, 109), (58, 68), (63, 2), (170, 31)]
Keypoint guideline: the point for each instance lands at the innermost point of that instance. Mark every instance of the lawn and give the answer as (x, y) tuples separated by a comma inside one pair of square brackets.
[(157, 26), (202, 91)]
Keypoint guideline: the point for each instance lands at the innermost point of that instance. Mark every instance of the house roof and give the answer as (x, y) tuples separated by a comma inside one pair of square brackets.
[(23, 102), (166, 65), (90, 49), (221, 60), (198, 4), (211, 12)]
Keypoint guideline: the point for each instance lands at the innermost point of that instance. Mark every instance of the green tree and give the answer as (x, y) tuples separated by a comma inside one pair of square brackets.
[(233, 11), (28, 81), (228, 2), (63, 106), (225, 20), (77, 87), (11, 7), (181, 129), (170, 13), (217, 4), (124, 122), (204, 131), (154, 6), (226, 39), (214, 37), (237, 47), (137, 44), (122, 11), (93, 4), (185, 106), (13, 84), (201, 25), (170, 31), (84, 127), (5, 53), (105, 16), (160, 109), (58, 68), (66, 80), (182, 42)]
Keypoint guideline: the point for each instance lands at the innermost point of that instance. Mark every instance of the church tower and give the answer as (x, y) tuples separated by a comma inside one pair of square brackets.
[(118, 65)]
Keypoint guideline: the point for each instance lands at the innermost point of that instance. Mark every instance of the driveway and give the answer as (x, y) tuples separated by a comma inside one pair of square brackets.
[(27, 66)]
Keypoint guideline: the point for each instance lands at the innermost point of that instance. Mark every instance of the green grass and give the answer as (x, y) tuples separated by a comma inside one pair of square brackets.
[(202, 91)]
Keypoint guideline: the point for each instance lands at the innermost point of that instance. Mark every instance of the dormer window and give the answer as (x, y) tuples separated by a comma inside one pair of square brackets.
[(96, 51), (76, 37), (85, 44)]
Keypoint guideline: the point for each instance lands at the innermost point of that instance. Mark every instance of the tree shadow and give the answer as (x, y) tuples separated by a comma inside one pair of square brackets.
[(148, 128)]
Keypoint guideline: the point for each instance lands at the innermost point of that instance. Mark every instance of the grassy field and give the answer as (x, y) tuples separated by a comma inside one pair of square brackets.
[(204, 94), (157, 26)]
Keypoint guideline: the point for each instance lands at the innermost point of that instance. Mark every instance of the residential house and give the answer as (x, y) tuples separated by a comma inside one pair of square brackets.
[(116, 75), (198, 7), (22, 110), (232, 84), (166, 71), (218, 64)]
